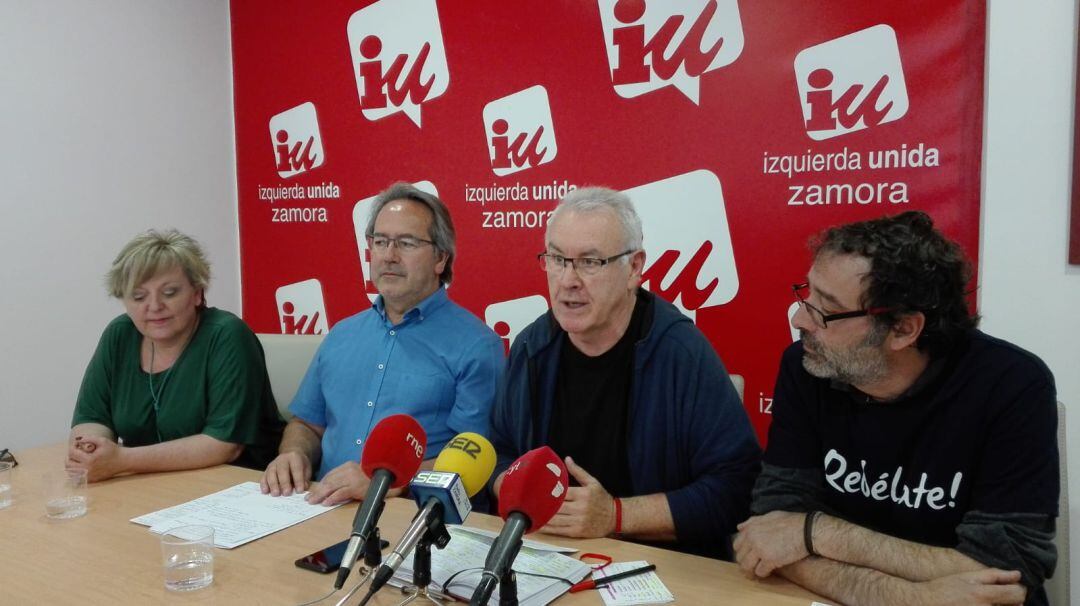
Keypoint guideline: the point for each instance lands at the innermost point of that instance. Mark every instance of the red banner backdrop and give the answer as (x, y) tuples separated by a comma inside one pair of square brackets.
[(739, 128)]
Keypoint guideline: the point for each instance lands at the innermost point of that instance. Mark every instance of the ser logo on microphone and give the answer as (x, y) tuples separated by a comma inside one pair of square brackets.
[(439, 479), (465, 445)]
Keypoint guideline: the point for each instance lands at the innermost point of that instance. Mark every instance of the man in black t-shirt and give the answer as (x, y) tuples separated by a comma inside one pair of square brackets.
[(911, 459)]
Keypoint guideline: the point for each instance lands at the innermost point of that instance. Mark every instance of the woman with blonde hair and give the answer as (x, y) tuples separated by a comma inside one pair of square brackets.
[(173, 384)]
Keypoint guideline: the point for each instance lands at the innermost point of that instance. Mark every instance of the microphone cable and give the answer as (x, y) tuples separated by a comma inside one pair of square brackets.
[(350, 593), (480, 569), (313, 602), (353, 591)]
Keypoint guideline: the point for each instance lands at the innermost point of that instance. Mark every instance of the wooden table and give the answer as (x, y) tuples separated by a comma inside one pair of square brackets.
[(102, 558)]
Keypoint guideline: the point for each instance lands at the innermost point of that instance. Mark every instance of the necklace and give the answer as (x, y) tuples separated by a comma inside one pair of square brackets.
[(155, 395)]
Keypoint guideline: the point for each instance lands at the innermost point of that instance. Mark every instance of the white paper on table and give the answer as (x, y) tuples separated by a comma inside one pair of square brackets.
[(645, 588), (239, 514), (178, 511)]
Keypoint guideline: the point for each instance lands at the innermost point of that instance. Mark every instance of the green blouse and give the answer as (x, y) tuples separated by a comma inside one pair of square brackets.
[(218, 387)]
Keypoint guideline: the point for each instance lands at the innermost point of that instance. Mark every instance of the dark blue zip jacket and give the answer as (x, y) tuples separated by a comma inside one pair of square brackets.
[(688, 434)]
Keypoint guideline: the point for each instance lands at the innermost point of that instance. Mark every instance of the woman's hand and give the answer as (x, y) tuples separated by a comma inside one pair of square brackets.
[(100, 457)]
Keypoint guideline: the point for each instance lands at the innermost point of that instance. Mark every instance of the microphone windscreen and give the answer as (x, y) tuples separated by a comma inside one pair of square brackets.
[(534, 485), (472, 457), (396, 444)]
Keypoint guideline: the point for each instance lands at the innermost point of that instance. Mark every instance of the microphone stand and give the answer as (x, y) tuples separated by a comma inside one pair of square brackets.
[(435, 534), (372, 559), (507, 581), (508, 594)]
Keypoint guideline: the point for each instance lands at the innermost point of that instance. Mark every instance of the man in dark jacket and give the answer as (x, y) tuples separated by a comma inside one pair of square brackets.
[(628, 390)]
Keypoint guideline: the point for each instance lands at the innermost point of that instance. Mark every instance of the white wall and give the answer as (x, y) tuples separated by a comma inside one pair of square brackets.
[(1029, 293), (116, 116)]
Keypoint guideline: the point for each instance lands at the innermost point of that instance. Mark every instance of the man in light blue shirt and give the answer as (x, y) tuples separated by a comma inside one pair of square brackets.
[(414, 352)]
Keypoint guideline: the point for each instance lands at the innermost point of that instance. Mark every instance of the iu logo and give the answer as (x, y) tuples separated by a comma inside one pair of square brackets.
[(658, 43), (509, 318), (301, 308), (397, 68), (360, 214), (520, 131), (851, 83), (688, 255), (297, 145)]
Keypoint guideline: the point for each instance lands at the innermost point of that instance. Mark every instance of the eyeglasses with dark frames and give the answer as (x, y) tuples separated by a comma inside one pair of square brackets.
[(405, 244), (822, 319), (7, 457), (585, 266)]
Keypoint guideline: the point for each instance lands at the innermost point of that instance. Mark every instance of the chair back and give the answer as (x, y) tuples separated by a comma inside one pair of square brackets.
[(1057, 587), (287, 359), (740, 385)]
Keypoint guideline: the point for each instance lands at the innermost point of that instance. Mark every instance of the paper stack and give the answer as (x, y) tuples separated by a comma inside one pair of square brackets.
[(633, 591), (239, 514)]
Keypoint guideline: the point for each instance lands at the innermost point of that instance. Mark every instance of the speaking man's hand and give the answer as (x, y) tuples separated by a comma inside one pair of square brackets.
[(587, 512)]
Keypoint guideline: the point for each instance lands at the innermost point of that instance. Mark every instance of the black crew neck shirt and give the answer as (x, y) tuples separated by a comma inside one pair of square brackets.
[(590, 416)]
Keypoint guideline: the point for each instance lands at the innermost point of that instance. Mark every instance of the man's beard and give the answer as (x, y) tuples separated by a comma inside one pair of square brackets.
[(856, 365)]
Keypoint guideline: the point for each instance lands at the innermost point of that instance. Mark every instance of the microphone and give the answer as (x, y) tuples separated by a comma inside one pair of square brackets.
[(393, 453), (532, 490), (461, 470)]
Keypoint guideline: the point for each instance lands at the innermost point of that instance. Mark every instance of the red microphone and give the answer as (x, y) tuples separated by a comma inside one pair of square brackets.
[(532, 491), (534, 485), (396, 444), (394, 451)]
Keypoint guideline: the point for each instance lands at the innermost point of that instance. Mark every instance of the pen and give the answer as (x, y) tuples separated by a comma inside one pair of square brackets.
[(594, 583)]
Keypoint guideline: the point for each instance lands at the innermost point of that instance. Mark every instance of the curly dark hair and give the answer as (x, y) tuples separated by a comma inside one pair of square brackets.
[(913, 267)]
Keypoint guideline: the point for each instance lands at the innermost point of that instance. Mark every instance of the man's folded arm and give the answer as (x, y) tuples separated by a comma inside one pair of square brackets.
[(1023, 542), (1011, 541), (801, 490), (859, 586), (843, 541)]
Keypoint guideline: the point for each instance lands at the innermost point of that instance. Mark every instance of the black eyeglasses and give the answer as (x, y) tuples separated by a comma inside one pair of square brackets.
[(586, 266), (405, 244), (7, 457), (822, 319)]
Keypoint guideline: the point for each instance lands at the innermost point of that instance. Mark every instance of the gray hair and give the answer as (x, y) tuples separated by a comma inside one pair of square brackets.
[(442, 226), (592, 199), (152, 252)]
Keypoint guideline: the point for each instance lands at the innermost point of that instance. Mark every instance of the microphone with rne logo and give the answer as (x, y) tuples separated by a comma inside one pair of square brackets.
[(461, 471), (532, 490), (394, 451)]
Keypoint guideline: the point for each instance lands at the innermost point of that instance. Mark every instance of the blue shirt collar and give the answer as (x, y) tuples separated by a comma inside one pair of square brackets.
[(423, 309)]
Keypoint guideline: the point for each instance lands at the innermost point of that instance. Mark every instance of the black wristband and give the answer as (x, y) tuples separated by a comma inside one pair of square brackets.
[(808, 532)]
